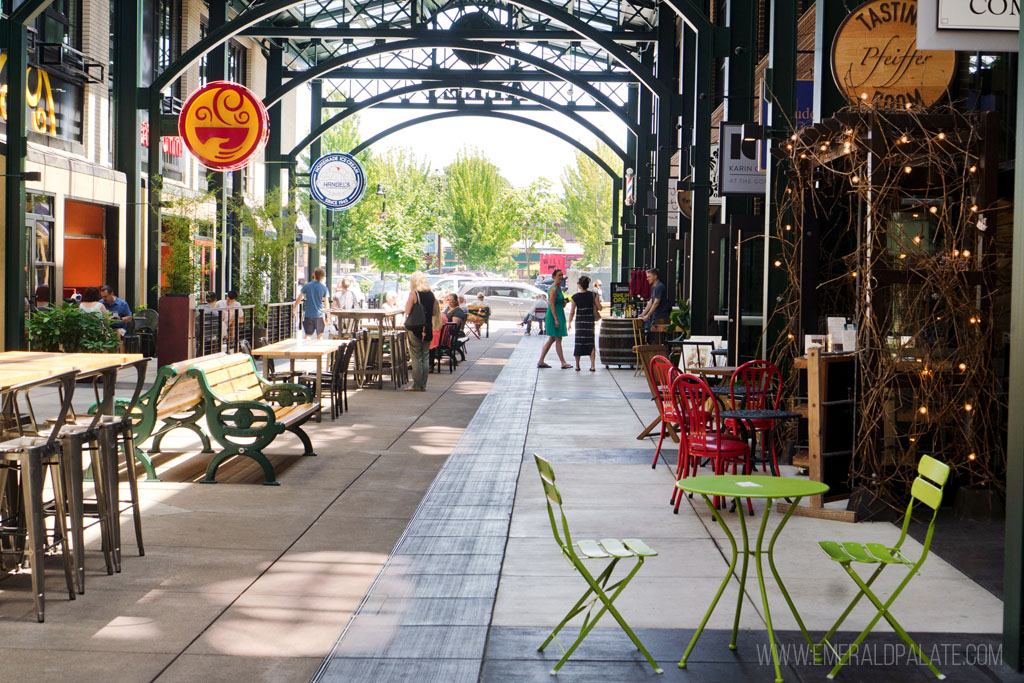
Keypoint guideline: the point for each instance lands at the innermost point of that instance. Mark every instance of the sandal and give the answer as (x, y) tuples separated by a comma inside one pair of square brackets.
[(592, 370), (566, 366), (543, 365)]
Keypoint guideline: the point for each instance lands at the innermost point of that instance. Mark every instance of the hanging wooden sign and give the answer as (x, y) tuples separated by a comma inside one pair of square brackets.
[(875, 58)]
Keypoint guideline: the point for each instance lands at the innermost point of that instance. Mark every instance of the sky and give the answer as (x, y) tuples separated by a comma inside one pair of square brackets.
[(523, 153)]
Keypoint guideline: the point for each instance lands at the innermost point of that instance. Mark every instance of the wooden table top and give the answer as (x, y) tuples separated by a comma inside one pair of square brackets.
[(11, 376), (363, 312), (289, 348), (63, 362)]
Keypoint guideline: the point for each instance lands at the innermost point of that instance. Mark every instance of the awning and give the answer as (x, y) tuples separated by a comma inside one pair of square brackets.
[(304, 231)]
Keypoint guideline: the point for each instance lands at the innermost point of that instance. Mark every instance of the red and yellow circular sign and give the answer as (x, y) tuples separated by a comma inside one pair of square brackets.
[(224, 124)]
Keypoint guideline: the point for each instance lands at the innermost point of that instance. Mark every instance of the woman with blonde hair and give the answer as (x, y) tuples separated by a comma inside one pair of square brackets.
[(420, 309)]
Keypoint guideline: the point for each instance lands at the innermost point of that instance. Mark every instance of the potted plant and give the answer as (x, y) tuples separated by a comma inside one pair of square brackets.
[(69, 329), (179, 266), (679, 320)]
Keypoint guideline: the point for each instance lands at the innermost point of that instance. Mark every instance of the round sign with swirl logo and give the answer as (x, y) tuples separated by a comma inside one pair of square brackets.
[(337, 181), (224, 124)]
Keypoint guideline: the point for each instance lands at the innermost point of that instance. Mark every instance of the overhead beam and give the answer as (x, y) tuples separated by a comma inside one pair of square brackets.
[(381, 32), (513, 107), (469, 75)]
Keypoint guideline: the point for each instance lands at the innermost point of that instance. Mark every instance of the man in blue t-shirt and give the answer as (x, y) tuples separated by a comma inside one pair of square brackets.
[(659, 307), (117, 307), (316, 308)]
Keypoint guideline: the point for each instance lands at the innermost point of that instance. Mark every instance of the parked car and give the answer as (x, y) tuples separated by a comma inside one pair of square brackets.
[(451, 283), (379, 290), (509, 300)]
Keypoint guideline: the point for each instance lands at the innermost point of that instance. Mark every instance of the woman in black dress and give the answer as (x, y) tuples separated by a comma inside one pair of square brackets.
[(586, 308)]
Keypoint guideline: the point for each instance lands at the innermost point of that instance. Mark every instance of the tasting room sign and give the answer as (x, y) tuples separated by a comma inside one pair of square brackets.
[(875, 58)]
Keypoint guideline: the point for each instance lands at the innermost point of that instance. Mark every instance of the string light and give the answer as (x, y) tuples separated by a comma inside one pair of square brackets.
[(907, 169), (942, 136), (956, 252), (933, 209), (962, 366), (778, 263), (803, 156), (973, 320), (968, 407), (972, 456), (972, 169), (789, 147), (864, 96), (917, 239), (974, 208), (903, 256), (849, 131), (790, 336), (923, 410), (788, 226), (966, 253), (910, 105), (855, 180), (904, 139)]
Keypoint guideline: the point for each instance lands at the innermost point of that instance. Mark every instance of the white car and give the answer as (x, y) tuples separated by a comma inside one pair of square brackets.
[(509, 300)]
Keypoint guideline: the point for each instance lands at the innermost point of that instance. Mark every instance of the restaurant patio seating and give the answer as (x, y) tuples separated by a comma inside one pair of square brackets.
[(927, 488), (598, 588), (662, 374), (447, 346), (335, 380), (690, 398), (757, 385), (31, 456)]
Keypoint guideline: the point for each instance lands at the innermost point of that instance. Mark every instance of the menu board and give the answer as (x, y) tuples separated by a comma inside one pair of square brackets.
[(620, 293)]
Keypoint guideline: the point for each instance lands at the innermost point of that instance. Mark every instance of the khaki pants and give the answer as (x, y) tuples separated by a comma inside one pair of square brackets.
[(419, 355)]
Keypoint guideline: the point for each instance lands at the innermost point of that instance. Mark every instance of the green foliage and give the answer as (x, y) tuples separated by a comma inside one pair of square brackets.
[(478, 231), (269, 235), (393, 239), (532, 214), (69, 329), (180, 263), (680, 318), (588, 204)]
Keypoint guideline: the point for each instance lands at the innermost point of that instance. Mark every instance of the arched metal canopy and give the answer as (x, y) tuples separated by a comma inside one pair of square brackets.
[(434, 85), (487, 114)]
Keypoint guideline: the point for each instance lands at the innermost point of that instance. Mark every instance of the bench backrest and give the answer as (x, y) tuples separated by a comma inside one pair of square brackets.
[(231, 377)]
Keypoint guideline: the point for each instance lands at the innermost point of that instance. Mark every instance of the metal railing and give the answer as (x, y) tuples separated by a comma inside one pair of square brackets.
[(280, 322), (223, 329)]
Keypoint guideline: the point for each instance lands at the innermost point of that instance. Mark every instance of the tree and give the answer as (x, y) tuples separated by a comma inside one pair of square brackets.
[(474, 193), (533, 214), (588, 203)]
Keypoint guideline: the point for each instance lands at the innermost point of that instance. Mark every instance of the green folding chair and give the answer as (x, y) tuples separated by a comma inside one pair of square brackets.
[(927, 488), (598, 588)]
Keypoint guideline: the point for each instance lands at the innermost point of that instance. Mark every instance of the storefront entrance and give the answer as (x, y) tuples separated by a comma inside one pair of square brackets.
[(90, 251)]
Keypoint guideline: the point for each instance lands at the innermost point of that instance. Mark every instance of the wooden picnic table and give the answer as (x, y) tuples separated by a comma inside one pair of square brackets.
[(382, 318), (304, 349), (714, 370)]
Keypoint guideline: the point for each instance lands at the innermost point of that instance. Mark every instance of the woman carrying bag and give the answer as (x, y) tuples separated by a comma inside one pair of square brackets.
[(421, 314)]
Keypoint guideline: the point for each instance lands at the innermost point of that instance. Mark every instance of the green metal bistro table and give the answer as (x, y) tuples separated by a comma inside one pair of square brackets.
[(751, 486)]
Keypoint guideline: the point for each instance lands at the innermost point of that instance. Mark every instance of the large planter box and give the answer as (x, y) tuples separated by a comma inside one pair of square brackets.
[(176, 331)]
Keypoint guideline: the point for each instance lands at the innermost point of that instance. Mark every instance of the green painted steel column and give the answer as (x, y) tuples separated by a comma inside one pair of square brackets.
[(155, 214), (127, 124), (216, 181), (14, 207), (667, 142), (275, 76), (828, 14), (315, 149), (629, 213), (642, 179), (1013, 569), (700, 317)]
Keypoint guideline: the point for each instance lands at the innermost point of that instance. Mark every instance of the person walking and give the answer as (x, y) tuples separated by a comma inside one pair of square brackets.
[(420, 310), (586, 307), (554, 321), (315, 310)]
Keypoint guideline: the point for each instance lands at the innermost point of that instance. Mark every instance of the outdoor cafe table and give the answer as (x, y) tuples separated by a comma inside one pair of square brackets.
[(382, 319), (751, 486), (746, 418), (714, 370), (304, 349)]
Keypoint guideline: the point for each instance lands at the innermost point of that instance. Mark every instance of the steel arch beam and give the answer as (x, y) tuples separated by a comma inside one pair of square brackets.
[(487, 114), (419, 87), (325, 68), (264, 10)]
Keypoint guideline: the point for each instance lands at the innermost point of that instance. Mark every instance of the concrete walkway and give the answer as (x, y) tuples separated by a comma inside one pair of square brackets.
[(477, 581), (242, 581)]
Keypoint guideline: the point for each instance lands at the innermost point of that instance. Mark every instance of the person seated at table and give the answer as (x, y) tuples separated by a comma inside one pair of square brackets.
[(117, 307), (345, 297), (536, 315), (230, 317), (454, 311), (480, 311), (211, 300), (42, 296), (391, 302), (91, 301)]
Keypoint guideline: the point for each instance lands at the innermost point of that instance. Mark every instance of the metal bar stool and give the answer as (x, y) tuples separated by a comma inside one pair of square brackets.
[(31, 456)]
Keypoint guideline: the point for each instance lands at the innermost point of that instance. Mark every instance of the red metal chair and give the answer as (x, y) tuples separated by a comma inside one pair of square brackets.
[(691, 398), (663, 372), (762, 383)]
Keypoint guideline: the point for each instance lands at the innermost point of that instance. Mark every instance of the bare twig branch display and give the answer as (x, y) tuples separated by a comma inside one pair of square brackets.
[(884, 218)]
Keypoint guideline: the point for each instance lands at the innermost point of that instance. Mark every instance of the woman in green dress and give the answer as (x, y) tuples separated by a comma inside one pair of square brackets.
[(554, 321)]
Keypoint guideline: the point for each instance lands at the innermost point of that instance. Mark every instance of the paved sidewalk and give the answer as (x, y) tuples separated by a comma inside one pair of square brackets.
[(476, 582), (243, 582)]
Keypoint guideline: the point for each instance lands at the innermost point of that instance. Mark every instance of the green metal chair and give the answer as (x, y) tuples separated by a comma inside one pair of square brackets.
[(598, 588), (927, 488)]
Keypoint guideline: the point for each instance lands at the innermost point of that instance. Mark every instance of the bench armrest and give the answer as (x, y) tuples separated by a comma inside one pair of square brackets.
[(243, 424), (286, 393)]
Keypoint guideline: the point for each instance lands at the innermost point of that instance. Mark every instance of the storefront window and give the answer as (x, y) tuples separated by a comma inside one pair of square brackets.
[(39, 228), (168, 40), (236, 63)]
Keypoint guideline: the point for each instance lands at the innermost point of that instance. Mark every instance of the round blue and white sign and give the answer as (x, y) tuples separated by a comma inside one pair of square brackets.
[(337, 181)]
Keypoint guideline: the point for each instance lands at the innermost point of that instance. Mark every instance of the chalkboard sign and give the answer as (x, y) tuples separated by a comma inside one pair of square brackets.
[(620, 293)]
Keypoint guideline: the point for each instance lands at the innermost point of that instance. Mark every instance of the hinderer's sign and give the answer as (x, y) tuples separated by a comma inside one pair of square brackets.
[(875, 58)]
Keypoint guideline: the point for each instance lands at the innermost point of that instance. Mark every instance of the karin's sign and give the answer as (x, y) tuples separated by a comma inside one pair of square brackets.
[(875, 58)]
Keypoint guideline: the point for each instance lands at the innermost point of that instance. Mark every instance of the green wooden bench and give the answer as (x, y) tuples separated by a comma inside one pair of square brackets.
[(245, 412), (173, 402)]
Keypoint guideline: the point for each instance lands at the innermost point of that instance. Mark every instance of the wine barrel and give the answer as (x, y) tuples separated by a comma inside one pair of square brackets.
[(616, 341)]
